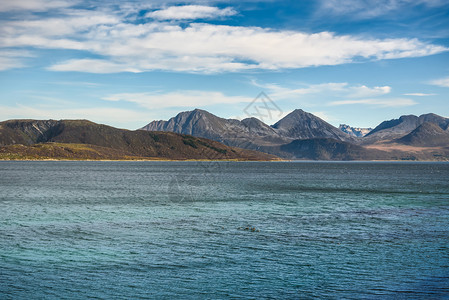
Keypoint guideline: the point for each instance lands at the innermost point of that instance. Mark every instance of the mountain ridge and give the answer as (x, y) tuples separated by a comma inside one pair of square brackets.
[(303, 125), (299, 135), (60, 136), (396, 128), (249, 133), (300, 128), (426, 134), (354, 131)]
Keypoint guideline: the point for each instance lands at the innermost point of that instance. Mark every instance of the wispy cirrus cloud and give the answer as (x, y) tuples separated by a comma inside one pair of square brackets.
[(332, 94), (324, 116), (191, 12), (442, 82), (361, 91), (7, 63), (111, 43), (98, 66), (107, 115), (75, 24), (10, 59), (419, 94), (367, 9), (379, 102), (34, 5), (343, 89), (177, 99)]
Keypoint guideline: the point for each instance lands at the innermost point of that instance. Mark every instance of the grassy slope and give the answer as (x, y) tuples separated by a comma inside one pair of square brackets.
[(80, 139), (61, 151)]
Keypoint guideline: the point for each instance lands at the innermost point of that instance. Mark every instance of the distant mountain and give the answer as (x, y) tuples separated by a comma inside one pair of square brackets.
[(199, 134), (397, 128), (303, 125), (354, 131), (301, 135), (427, 135), (331, 149), (250, 133), (81, 139), (27, 132)]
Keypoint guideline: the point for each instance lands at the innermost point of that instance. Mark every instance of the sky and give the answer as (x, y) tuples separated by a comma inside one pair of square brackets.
[(126, 63)]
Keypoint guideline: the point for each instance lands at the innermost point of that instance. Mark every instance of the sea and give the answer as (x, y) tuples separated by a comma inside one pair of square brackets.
[(224, 230)]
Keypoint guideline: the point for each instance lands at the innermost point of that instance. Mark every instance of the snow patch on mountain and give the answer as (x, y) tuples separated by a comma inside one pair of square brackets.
[(354, 131)]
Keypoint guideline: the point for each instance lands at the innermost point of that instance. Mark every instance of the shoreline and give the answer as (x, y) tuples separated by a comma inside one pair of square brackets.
[(142, 160), (222, 160)]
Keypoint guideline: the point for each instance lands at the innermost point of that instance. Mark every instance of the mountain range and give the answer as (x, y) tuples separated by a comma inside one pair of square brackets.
[(82, 139), (199, 134), (302, 135), (397, 128)]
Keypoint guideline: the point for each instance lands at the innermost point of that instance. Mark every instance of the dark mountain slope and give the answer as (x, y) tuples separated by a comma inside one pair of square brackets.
[(397, 128), (27, 132), (331, 149), (301, 135), (249, 133), (426, 135), (63, 151), (303, 125), (142, 144)]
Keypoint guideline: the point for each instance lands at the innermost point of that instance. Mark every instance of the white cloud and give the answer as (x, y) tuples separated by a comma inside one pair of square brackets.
[(324, 116), (77, 83), (190, 12), (116, 116), (93, 66), (276, 117), (12, 59), (334, 88), (213, 48), (262, 115), (279, 92), (7, 63), (74, 25), (419, 94), (33, 5), (380, 102), (443, 82), (128, 47), (367, 9), (364, 91), (177, 99)]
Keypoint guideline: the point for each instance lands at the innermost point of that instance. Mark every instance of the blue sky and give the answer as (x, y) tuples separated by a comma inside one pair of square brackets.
[(126, 63)]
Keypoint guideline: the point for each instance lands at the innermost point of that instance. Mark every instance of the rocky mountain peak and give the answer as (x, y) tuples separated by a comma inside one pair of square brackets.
[(354, 131), (397, 128), (303, 125), (427, 134)]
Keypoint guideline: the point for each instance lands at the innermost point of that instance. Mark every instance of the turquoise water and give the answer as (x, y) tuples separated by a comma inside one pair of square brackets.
[(184, 230)]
